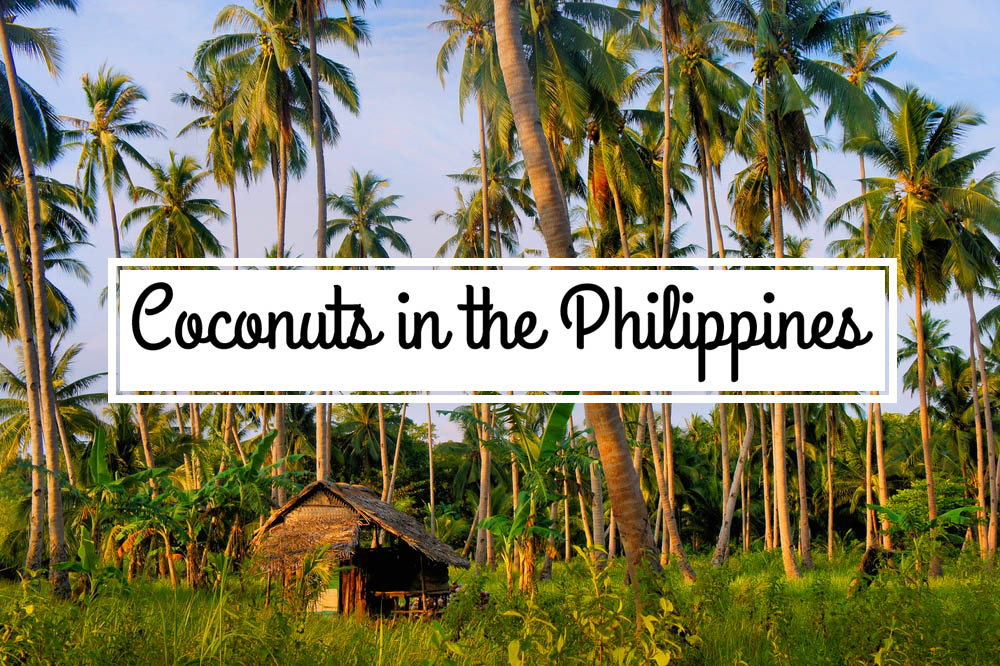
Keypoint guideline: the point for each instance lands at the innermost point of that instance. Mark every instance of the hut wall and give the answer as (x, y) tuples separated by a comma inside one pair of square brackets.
[(399, 569)]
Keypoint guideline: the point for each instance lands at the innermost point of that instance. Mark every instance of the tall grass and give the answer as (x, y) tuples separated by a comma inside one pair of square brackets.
[(744, 614)]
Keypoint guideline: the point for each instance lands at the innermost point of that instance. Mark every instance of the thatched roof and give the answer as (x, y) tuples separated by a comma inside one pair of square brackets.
[(332, 514)]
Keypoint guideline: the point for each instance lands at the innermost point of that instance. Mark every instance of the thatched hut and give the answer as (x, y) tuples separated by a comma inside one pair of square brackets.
[(388, 561)]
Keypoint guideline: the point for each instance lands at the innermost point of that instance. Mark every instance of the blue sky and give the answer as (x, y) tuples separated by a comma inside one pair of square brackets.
[(409, 129)]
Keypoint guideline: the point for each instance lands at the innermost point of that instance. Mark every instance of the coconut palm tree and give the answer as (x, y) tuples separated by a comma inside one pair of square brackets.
[(226, 151), (368, 226), (509, 198), (269, 62), (554, 221), (552, 210), (104, 139), (312, 12), (174, 217), (62, 313), (467, 241), (75, 403), (471, 21), (35, 43), (782, 36), (861, 60), (972, 261), (706, 108), (668, 14), (917, 148)]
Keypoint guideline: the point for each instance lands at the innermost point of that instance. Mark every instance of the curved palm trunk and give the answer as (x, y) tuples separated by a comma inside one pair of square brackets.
[(57, 542), (552, 212), (805, 541), (22, 303), (984, 382), (925, 422), (722, 545), (553, 215), (667, 507), (623, 487)]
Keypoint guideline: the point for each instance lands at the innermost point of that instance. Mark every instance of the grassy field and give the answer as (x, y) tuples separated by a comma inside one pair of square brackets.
[(745, 614)]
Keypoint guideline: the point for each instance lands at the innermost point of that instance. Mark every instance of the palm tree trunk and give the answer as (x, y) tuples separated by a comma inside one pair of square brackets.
[(623, 486), (827, 409), (883, 487), (280, 444), (669, 519), (484, 179), (583, 510), (67, 459), (665, 50), (869, 498), (765, 481), (552, 211), (430, 465), (383, 450), (612, 535), (781, 492), (925, 422), (722, 545), (622, 232), (567, 545), (597, 506), (114, 222), (708, 215), (710, 177), (981, 524), (236, 233), (668, 466), (395, 455), (36, 523), (147, 448), (482, 553), (57, 541), (724, 450), (984, 382), (805, 541)]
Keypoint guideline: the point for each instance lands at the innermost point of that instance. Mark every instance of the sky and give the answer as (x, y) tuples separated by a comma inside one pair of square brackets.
[(410, 131)]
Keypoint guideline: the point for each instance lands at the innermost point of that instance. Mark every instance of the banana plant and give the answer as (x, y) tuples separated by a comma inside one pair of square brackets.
[(539, 458)]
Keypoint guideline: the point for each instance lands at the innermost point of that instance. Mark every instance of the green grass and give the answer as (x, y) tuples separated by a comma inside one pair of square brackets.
[(745, 614)]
